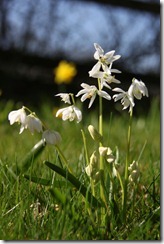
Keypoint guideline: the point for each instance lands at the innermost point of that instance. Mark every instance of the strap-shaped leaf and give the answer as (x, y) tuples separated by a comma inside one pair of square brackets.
[(45, 182), (31, 156), (76, 183), (38, 180)]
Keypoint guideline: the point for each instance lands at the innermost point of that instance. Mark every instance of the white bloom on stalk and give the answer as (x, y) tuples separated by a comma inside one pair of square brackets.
[(125, 97), (51, 137), (103, 59), (33, 123), (65, 97), (18, 116), (106, 58), (70, 113), (137, 89), (105, 78), (91, 92)]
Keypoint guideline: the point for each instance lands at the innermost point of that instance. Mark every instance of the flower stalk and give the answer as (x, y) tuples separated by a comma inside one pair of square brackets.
[(102, 195), (124, 198)]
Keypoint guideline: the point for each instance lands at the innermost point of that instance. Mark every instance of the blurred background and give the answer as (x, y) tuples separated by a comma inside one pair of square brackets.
[(35, 36)]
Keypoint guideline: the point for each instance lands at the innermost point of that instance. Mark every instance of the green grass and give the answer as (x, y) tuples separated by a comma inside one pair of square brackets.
[(31, 211)]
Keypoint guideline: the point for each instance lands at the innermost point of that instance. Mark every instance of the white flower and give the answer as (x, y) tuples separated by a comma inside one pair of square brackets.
[(18, 116), (106, 78), (70, 113), (137, 89), (33, 123), (103, 59), (126, 99), (65, 97), (51, 137), (91, 92), (106, 58)]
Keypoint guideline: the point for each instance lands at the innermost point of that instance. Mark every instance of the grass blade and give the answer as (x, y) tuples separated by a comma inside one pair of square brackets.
[(75, 182)]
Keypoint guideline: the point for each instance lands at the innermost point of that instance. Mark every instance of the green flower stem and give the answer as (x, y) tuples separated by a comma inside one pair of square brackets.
[(124, 198), (134, 198), (87, 160), (72, 97), (85, 147), (64, 160), (102, 195)]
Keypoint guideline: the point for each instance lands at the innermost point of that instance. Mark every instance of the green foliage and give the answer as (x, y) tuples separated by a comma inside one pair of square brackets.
[(41, 204)]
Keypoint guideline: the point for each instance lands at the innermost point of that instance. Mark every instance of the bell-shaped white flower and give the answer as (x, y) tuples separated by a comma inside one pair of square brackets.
[(70, 113), (30, 121), (125, 97), (90, 92), (18, 116), (138, 89), (33, 123), (51, 137), (65, 97)]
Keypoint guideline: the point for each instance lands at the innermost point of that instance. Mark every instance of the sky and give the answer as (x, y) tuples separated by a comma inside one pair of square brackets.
[(69, 28)]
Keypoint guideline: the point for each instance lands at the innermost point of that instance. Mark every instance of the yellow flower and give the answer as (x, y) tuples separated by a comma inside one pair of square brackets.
[(64, 73)]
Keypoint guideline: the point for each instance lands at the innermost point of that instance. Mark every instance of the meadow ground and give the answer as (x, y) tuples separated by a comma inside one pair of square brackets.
[(31, 211)]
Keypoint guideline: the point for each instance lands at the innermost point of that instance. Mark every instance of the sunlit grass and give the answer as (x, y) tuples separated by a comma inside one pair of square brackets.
[(29, 212)]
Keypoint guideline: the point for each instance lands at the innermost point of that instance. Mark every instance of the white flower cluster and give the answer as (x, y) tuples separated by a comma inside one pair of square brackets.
[(137, 89), (102, 70), (33, 123)]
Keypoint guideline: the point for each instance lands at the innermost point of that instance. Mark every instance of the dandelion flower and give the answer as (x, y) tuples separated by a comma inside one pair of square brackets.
[(64, 73)]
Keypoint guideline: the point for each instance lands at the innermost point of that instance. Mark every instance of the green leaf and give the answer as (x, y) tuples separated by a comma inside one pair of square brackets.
[(45, 182), (37, 180), (58, 195), (75, 182), (31, 156)]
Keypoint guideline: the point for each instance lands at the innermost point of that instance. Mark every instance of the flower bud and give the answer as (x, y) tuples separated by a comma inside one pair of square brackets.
[(95, 134), (133, 177), (92, 168), (93, 160), (133, 166), (107, 153), (51, 137), (103, 151)]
